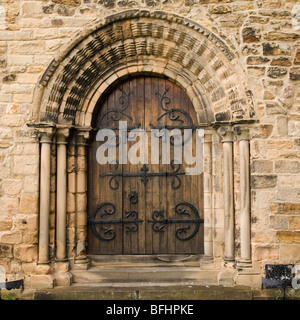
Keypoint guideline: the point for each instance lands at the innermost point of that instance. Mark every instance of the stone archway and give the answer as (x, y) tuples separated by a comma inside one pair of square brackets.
[(142, 42)]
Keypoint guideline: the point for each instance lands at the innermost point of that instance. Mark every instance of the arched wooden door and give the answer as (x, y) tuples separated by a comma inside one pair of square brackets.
[(144, 208)]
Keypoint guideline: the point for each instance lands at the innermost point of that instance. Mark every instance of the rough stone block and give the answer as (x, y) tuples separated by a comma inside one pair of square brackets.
[(220, 9), (263, 236), (287, 166), (226, 277), (13, 237), (63, 279), (265, 252), (251, 34), (28, 203), (25, 253), (292, 237), (263, 181), (288, 194), (12, 121), (280, 144), (275, 49), (297, 57), (6, 222), (31, 184), (26, 165), (271, 4), (12, 187), (274, 108), (282, 125), (9, 205), (233, 20), (19, 60), (294, 223), (276, 72), (295, 73), (41, 281), (256, 71), (281, 36), (255, 60), (279, 222), (251, 280), (262, 131), (282, 61), (289, 252), (6, 251), (262, 166)]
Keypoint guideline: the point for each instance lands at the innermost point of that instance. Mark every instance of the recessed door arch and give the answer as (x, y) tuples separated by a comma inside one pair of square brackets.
[(144, 207)]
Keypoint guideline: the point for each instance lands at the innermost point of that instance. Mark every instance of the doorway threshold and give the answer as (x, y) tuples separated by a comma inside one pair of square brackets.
[(155, 260)]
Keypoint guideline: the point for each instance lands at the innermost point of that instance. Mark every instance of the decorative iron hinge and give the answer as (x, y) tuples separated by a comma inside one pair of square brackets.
[(144, 175), (107, 209), (183, 208)]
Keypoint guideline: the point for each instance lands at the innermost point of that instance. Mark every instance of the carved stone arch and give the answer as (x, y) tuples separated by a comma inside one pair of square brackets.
[(141, 41)]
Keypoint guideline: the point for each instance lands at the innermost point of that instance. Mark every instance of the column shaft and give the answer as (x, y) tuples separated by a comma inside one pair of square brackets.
[(245, 224), (61, 197), (228, 201), (81, 260), (44, 200), (207, 185), (227, 140), (245, 200)]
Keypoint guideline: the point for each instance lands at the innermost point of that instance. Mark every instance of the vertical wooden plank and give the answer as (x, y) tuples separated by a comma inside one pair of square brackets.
[(106, 194), (151, 184), (134, 240)]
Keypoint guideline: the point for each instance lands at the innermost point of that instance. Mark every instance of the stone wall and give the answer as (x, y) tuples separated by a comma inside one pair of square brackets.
[(263, 34)]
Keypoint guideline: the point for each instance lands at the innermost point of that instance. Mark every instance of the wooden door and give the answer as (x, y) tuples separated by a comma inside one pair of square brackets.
[(148, 205)]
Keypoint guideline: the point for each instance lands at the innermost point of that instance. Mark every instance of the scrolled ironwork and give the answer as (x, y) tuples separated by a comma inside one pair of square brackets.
[(181, 118), (115, 114), (144, 174), (105, 232), (102, 210), (132, 222), (182, 208)]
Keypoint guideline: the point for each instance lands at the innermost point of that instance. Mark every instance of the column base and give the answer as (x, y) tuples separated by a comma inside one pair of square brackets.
[(62, 260), (229, 260), (226, 277), (43, 262), (82, 263), (207, 260), (244, 263), (63, 279), (41, 281)]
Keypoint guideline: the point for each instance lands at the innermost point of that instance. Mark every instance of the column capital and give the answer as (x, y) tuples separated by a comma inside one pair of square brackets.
[(43, 131), (208, 135), (241, 132), (82, 135), (62, 135), (226, 133), (45, 135)]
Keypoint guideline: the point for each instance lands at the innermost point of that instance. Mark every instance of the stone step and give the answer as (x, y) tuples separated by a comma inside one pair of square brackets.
[(137, 291), (145, 260), (145, 274)]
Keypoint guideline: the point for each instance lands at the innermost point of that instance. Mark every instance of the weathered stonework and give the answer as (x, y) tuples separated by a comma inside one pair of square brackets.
[(237, 60)]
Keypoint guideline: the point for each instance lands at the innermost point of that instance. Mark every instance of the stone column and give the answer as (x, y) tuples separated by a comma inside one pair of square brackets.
[(207, 186), (226, 134), (242, 134), (61, 195), (81, 260), (45, 140)]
